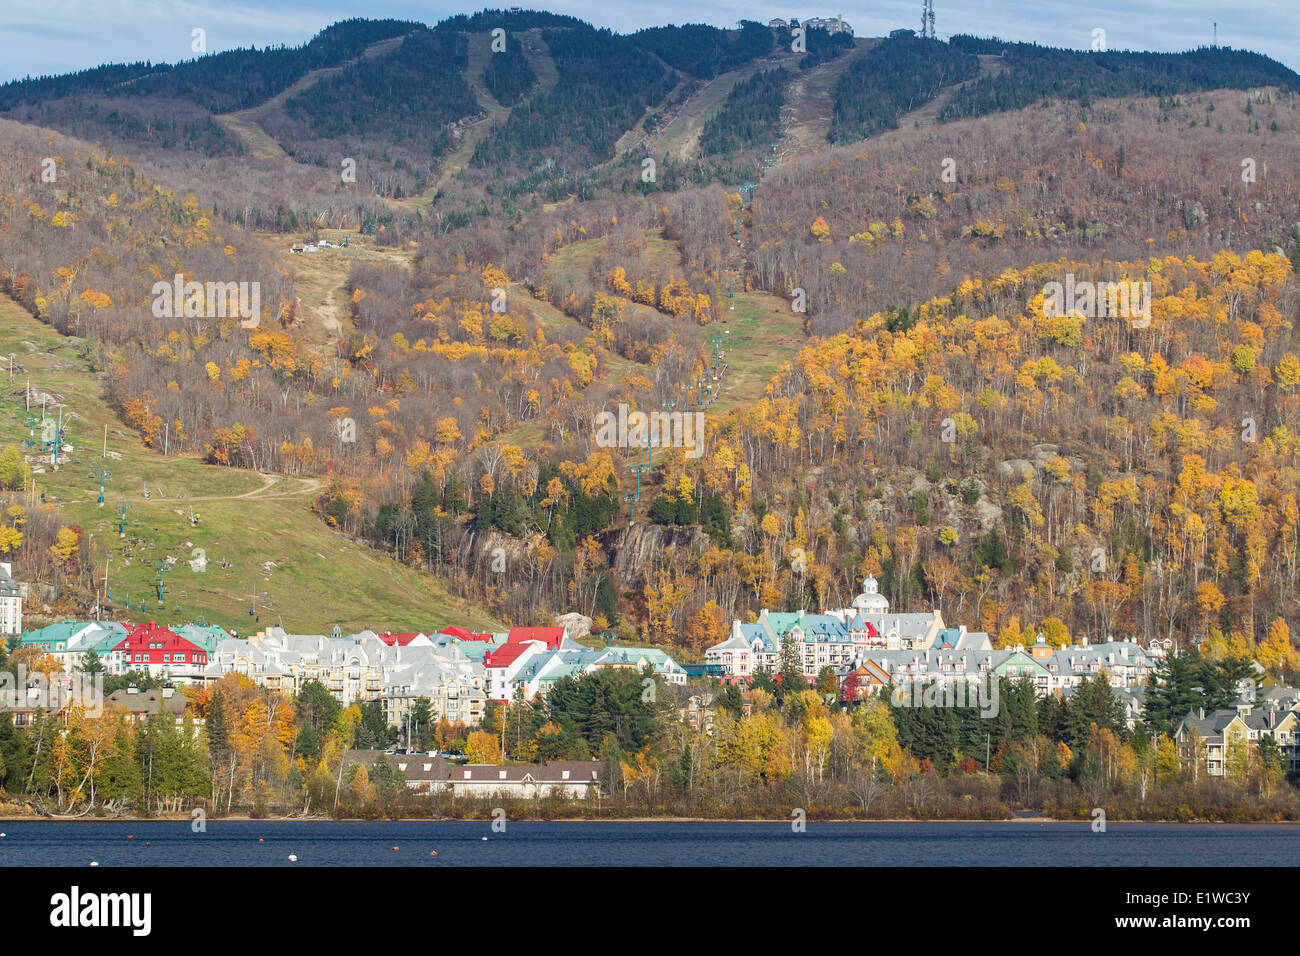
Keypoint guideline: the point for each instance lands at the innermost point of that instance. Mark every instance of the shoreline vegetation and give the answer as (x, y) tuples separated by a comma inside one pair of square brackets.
[(244, 818), (244, 750), (571, 812)]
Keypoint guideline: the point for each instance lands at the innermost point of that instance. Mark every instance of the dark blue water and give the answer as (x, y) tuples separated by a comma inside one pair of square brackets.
[(235, 843)]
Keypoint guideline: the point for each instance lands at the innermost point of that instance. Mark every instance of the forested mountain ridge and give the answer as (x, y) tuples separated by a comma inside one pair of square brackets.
[(394, 96), (1035, 73)]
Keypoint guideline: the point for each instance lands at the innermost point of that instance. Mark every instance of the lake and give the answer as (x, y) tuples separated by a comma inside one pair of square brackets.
[(327, 843)]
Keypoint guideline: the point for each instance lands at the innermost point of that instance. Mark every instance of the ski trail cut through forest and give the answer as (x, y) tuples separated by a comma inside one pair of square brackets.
[(246, 125), (927, 116), (538, 57)]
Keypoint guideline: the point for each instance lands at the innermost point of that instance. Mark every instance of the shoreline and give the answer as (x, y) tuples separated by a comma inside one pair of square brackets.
[(244, 818)]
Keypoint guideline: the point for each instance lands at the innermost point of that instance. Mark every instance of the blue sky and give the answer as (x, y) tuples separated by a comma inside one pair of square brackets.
[(56, 36)]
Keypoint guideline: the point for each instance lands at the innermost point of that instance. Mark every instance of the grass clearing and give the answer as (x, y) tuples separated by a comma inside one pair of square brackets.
[(761, 334), (315, 578)]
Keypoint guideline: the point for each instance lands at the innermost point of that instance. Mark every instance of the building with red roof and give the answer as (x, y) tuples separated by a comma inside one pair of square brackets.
[(162, 653), (463, 634), (500, 665), (505, 655), (552, 637), (404, 640)]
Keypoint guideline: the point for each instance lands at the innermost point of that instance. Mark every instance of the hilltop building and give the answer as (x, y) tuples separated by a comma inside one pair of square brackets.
[(837, 25)]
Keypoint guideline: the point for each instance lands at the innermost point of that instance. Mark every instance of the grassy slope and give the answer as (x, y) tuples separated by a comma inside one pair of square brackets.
[(319, 278), (810, 101), (319, 578), (761, 335)]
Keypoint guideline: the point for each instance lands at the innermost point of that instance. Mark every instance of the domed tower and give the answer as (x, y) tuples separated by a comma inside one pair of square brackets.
[(871, 601)]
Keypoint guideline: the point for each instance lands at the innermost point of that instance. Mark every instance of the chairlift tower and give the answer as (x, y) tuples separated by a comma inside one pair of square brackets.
[(51, 440), (101, 474), (716, 340)]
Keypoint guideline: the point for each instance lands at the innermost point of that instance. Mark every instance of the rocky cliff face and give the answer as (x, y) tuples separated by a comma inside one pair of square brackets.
[(632, 550)]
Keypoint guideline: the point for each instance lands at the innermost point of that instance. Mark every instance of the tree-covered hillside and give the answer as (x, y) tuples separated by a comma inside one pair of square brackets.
[(705, 51), (750, 117), (1035, 73)]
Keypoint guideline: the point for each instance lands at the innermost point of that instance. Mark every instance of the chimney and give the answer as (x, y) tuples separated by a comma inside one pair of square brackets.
[(1200, 712)]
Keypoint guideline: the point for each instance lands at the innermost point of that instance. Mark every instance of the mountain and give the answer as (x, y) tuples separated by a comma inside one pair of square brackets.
[(556, 221)]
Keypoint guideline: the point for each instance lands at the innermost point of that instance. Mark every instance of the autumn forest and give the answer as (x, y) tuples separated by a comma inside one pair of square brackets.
[(896, 399)]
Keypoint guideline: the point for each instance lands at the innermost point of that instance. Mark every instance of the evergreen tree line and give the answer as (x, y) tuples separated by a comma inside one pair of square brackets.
[(231, 80), (750, 117), (898, 75), (1035, 73), (704, 51)]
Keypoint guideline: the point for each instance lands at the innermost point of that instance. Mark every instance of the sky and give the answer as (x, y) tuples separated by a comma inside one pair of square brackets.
[(59, 36)]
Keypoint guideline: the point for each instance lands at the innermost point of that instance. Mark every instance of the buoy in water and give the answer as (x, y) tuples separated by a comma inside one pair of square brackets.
[(485, 839), (433, 853), (130, 836), (394, 849), (260, 840), (293, 858), (94, 863)]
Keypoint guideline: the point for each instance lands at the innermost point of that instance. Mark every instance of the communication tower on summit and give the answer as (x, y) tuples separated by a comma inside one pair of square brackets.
[(927, 19)]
